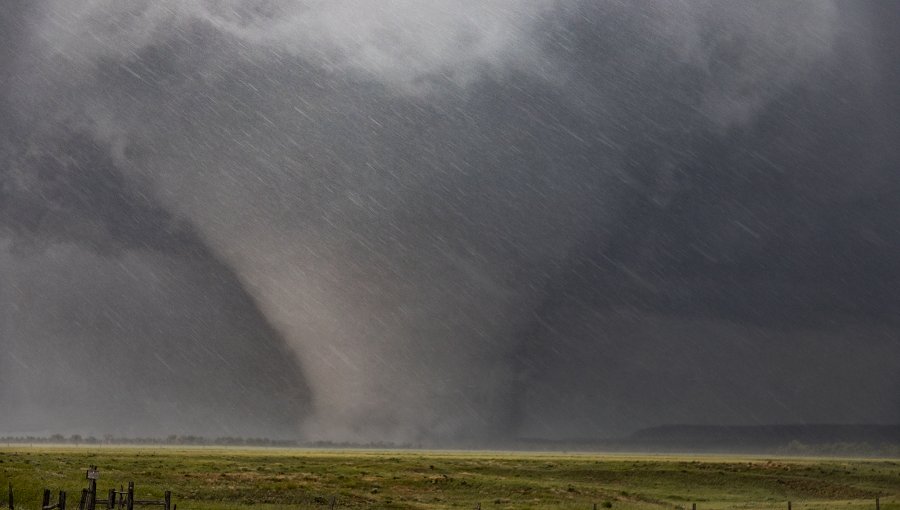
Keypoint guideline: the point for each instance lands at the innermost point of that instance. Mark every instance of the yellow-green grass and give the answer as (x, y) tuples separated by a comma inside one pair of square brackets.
[(274, 479)]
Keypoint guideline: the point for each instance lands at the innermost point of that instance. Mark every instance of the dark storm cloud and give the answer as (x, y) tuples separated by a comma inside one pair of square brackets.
[(750, 273), (104, 290), (478, 220)]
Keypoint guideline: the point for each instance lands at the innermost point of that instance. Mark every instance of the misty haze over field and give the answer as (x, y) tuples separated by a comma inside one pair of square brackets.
[(447, 221)]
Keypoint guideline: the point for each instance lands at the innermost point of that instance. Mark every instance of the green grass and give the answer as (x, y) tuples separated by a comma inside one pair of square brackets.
[(272, 479)]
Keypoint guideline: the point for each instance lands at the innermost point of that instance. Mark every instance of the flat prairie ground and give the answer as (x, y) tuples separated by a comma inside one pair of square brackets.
[(272, 479)]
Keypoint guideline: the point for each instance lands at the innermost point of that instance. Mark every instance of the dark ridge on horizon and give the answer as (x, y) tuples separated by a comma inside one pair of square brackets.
[(766, 434)]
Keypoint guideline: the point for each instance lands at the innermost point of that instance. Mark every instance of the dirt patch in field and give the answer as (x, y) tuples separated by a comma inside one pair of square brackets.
[(819, 489)]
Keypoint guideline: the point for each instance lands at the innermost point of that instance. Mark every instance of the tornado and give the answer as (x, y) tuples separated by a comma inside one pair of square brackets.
[(446, 223)]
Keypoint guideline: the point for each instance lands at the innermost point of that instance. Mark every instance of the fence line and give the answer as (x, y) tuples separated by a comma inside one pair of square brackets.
[(125, 499), (116, 500)]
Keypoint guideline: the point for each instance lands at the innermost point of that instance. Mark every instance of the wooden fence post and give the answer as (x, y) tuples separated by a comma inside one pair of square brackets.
[(693, 506), (789, 505), (129, 503), (595, 506), (12, 505), (333, 501), (84, 493), (877, 503), (62, 500), (45, 500), (92, 475), (167, 499)]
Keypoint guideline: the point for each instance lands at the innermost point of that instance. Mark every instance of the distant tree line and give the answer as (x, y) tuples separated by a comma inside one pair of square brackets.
[(191, 440)]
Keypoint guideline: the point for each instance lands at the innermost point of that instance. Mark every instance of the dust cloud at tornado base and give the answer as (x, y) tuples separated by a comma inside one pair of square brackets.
[(447, 223)]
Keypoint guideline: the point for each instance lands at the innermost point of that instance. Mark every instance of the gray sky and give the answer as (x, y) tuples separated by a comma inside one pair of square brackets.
[(447, 221)]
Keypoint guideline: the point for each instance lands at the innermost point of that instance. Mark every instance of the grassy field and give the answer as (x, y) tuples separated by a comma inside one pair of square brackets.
[(270, 479)]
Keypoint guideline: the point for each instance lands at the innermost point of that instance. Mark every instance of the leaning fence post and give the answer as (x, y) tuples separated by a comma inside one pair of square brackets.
[(62, 500)]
